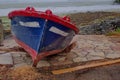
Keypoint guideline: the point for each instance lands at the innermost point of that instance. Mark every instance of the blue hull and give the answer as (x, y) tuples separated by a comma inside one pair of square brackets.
[(40, 35)]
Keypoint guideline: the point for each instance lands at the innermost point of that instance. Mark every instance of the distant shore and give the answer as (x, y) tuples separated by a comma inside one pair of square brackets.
[(70, 9)]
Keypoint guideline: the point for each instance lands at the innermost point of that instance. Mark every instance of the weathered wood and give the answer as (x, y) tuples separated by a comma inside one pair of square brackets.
[(92, 65)]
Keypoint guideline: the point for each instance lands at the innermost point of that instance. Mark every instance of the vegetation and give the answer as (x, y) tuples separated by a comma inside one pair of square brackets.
[(6, 25), (82, 19), (6, 22), (117, 1), (21, 73), (118, 30), (114, 33)]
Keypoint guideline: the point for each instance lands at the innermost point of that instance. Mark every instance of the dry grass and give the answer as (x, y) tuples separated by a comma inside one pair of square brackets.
[(4, 73), (26, 73), (113, 34), (21, 73), (81, 19)]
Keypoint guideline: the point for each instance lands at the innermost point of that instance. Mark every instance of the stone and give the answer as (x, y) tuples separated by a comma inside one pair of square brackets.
[(87, 45), (1, 52), (9, 43), (98, 44), (6, 59), (43, 63), (109, 44), (90, 57), (82, 54), (108, 52), (57, 63), (28, 60), (19, 65), (18, 57), (102, 47), (80, 59), (18, 60), (72, 55), (106, 41), (89, 42), (62, 59), (16, 54), (117, 52), (118, 42), (80, 45), (100, 54), (113, 56), (116, 48)]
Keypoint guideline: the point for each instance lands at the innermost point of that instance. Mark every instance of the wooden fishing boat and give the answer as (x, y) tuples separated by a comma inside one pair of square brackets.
[(41, 33)]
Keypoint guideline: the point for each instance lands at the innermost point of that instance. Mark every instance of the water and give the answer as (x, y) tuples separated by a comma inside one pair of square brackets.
[(69, 3), (63, 6)]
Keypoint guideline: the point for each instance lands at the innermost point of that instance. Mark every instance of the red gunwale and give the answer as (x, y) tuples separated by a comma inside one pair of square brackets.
[(44, 15)]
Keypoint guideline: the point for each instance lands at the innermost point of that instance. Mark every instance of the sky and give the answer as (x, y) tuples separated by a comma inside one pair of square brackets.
[(22, 1), (30, 1)]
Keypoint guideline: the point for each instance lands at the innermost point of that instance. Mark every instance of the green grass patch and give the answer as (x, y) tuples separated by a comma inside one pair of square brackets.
[(118, 30), (6, 22), (117, 1), (114, 33)]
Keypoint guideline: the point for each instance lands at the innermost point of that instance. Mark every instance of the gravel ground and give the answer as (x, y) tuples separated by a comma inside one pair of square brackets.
[(111, 72)]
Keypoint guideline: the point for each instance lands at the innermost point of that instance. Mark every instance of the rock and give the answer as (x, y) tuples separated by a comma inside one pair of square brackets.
[(115, 48), (101, 28), (90, 57), (62, 59), (106, 52), (82, 53), (113, 56), (1, 52), (43, 63), (99, 54), (16, 54), (6, 59), (80, 59), (69, 56), (103, 48), (19, 65)]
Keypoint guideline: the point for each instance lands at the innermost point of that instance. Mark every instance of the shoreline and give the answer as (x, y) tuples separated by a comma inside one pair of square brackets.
[(77, 17), (69, 10)]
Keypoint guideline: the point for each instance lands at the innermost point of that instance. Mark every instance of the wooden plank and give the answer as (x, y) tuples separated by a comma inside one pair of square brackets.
[(92, 65)]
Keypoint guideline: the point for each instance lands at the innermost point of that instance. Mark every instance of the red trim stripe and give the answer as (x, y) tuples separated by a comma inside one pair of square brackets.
[(31, 51)]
